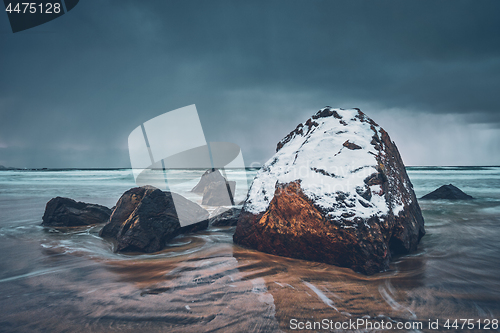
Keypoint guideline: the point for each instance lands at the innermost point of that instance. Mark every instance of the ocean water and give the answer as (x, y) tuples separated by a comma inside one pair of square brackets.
[(71, 281)]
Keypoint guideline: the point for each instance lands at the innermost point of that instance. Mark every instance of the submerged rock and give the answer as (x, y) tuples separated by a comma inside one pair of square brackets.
[(336, 191), (223, 216), (449, 192), (145, 218), (66, 212)]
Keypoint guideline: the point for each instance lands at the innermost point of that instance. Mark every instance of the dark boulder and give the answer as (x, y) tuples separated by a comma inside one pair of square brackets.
[(66, 212), (337, 192), (449, 192), (145, 219), (222, 217)]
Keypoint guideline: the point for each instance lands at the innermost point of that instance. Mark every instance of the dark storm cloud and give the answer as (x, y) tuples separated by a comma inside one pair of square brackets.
[(73, 89)]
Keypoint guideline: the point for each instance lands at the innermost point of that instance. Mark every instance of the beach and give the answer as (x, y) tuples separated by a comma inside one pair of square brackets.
[(70, 280)]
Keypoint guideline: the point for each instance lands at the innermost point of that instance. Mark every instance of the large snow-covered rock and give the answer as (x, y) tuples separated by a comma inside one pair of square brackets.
[(336, 191)]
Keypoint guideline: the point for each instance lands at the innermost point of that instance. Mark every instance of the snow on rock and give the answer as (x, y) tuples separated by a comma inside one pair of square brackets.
[(348, 169)]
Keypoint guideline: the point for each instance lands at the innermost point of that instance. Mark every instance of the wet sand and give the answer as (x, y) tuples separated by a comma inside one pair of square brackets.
[(216, 286)]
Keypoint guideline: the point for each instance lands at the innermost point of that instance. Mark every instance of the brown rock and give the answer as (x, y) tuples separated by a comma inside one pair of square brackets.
[(217, 194), (351, 146), (216, 190), (209, 177)]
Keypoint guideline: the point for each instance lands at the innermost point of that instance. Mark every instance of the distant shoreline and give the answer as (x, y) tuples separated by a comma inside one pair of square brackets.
[(420, 167)]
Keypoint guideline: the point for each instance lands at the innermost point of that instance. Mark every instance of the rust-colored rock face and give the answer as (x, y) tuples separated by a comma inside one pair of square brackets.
[(335, 192), (293, 227)]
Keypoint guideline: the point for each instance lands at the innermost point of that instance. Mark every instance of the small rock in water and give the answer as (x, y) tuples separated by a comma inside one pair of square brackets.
[(223, 216), (217, 194), (66, 212), (209, 177), (216, 190), (449, 192)]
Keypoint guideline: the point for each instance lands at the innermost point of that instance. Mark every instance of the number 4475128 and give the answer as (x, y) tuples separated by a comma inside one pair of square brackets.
[(33, 8), (470, 324)]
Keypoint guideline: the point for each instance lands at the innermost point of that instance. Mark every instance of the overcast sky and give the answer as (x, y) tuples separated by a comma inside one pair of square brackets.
[(73, 89)]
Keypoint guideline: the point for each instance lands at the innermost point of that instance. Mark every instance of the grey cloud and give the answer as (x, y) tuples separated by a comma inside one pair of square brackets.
[(254, 69)]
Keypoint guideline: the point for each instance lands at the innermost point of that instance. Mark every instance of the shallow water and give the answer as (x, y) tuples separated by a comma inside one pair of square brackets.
[(71, 281)]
